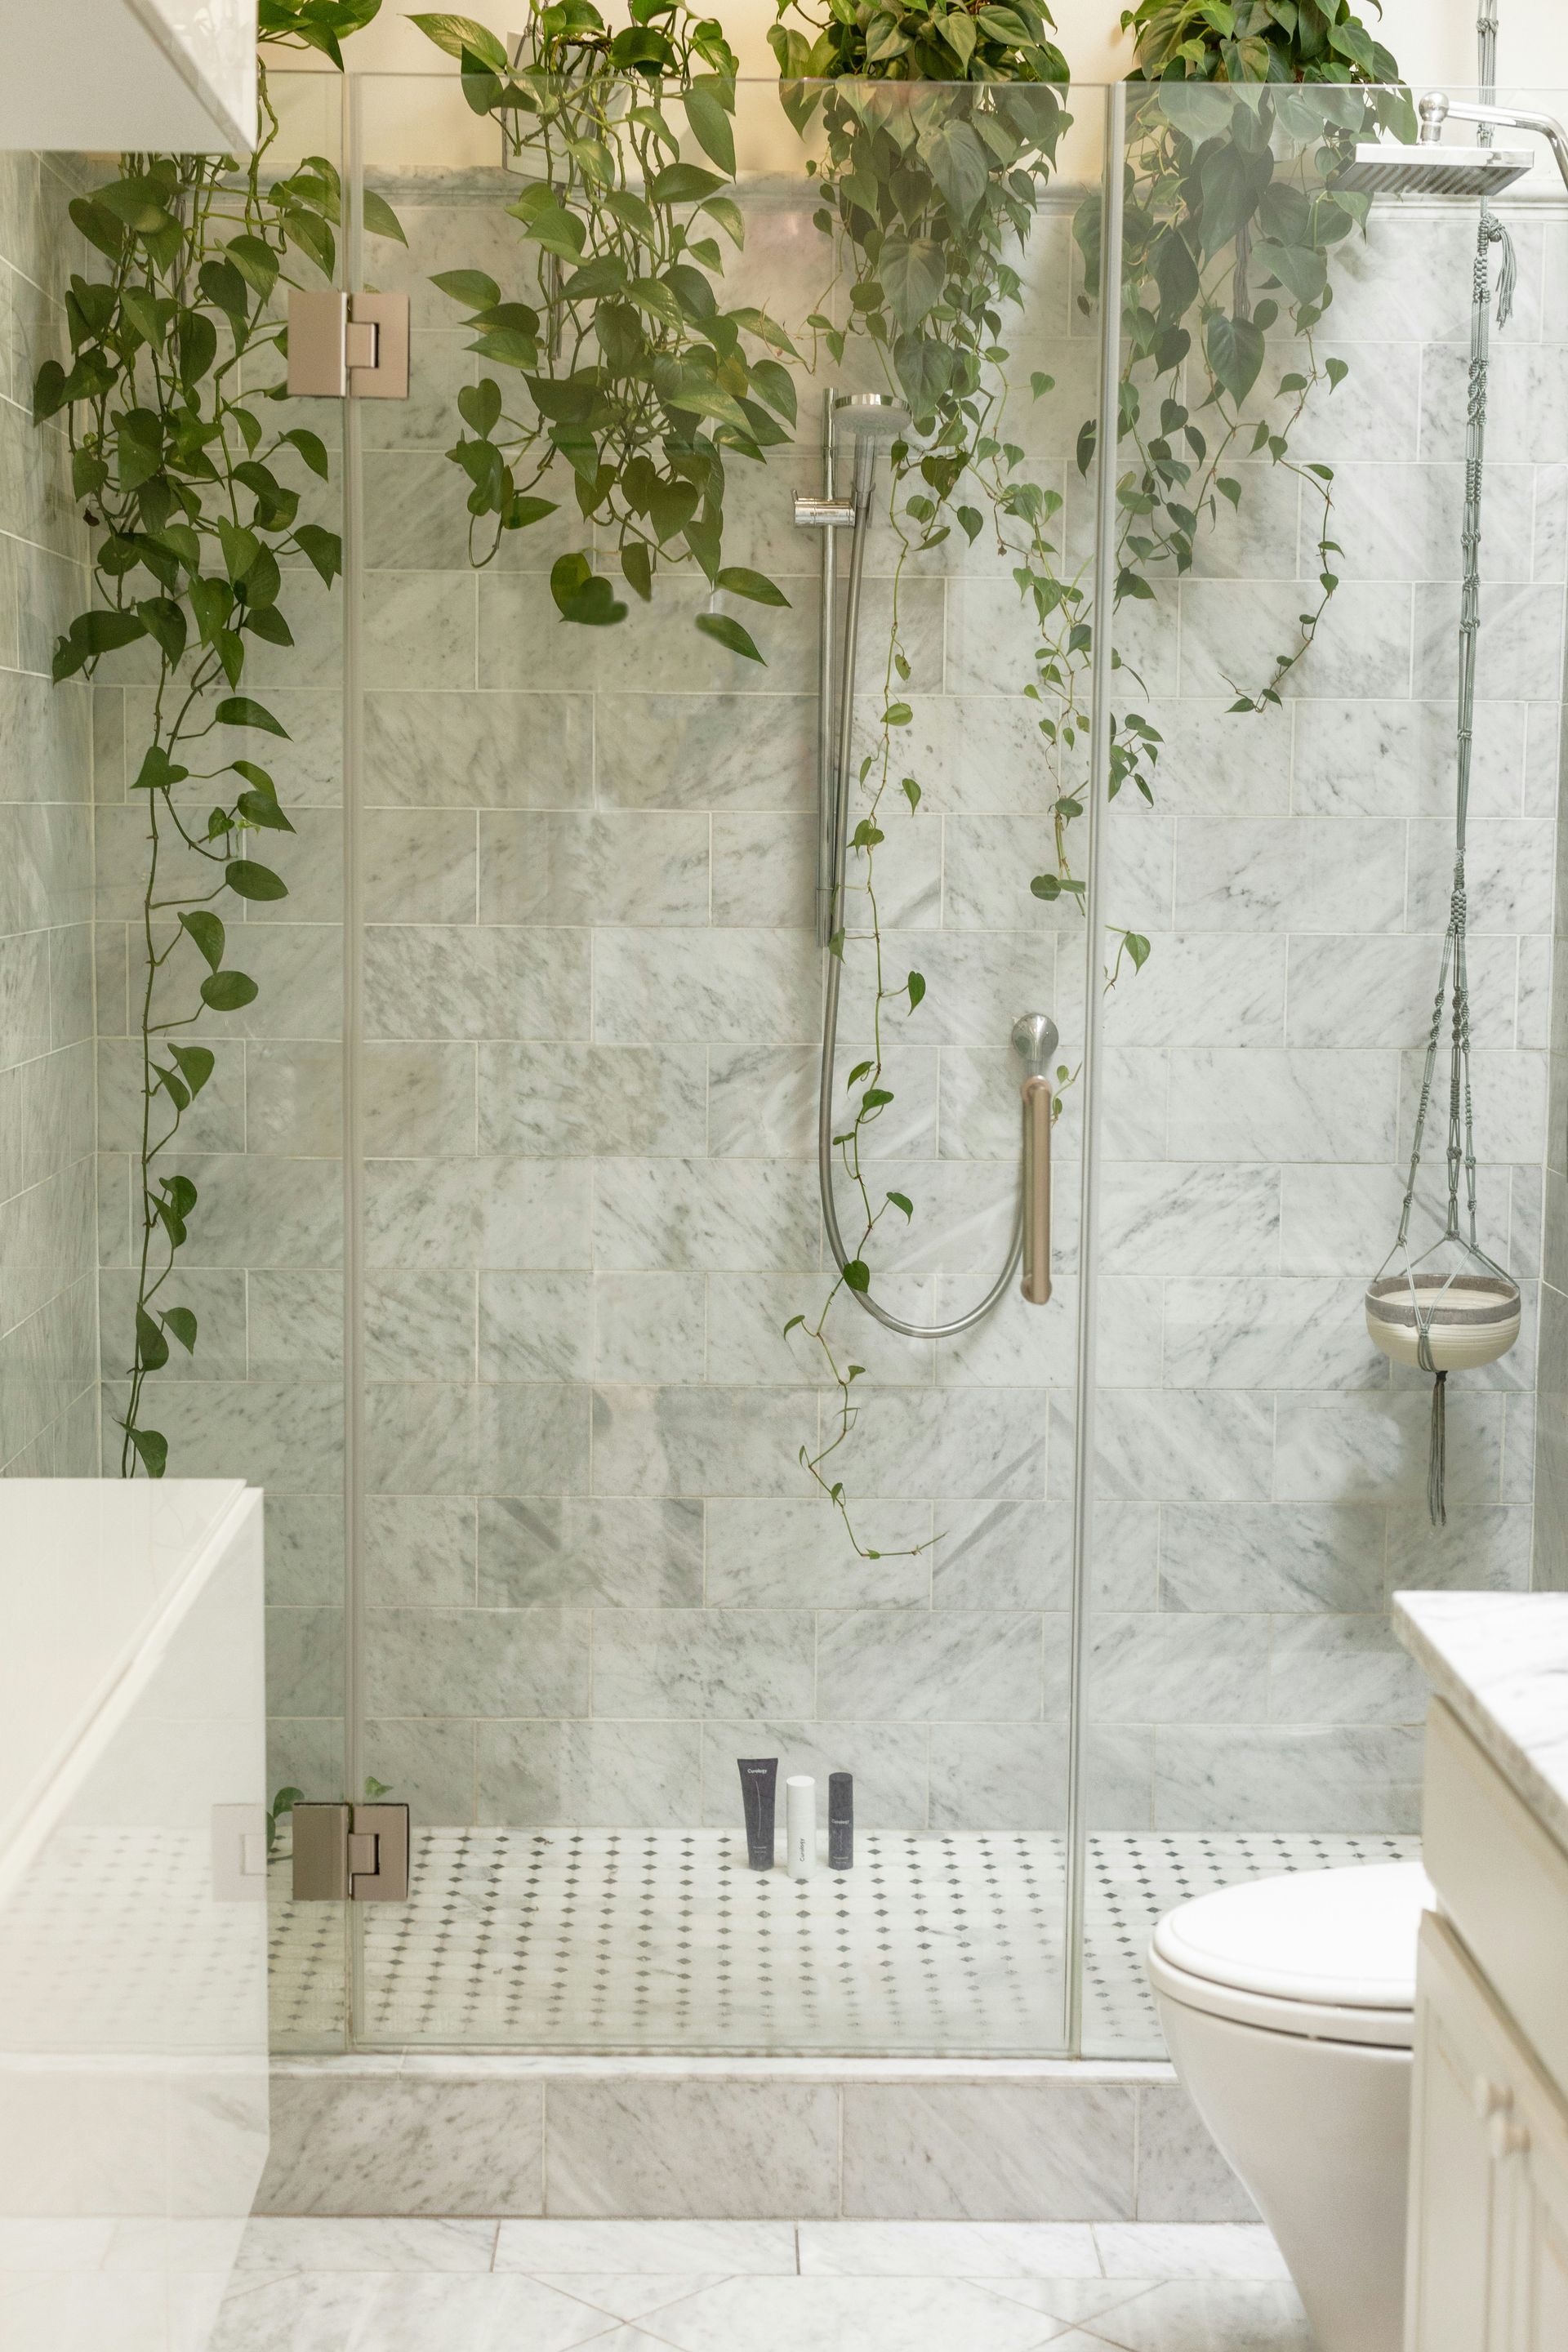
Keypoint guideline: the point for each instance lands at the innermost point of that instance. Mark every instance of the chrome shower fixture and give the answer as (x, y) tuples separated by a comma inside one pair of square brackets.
[(861, 415), (1382, 167)]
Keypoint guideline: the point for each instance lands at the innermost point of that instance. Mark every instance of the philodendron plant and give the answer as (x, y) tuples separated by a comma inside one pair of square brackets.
[(624, 383), (193, 489)]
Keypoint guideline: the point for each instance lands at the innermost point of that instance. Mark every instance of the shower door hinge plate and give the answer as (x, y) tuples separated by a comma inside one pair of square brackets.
[(346, 1853), (348, 346)]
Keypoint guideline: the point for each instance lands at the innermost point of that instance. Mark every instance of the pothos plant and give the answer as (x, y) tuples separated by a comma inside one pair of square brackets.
[(929, 195), (1231, 226), (628, 383), (193, 488)]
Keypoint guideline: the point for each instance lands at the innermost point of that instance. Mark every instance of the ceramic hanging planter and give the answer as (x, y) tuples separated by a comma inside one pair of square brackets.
[(1467, 1319)]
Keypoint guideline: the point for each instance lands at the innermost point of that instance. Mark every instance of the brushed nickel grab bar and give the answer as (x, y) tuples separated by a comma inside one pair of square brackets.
[(1036, 1283)]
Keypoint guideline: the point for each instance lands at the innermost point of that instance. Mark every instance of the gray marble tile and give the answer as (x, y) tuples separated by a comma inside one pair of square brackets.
[(535, 1327), (304, 1548), (293, 1099), (420, 1325), (948, 1666), (1395, 758), (420, 1437), (489, 1212), (1181, 2175), (1326, 1669), (765, 871), (794, 1555), (1243, 874), (1508, 876), (715, 2150), (1053, 2151), (1257, 1104), (998, 1775), (419, 1099), (549, 1551), (1227, 2314), (445, 981), (1001, 1555), (702, 1661), (419, 1550), (1203, 989), (700, 1441), (420, 630), (1173, 1218), (1260, 1331), (884, 2315), (532, 1437), (747, 1341), (1483, 1547), (427, 1762), (704, 1215), (421, 866), (1338, 1777), (706, 987), (295, 1326), (382, 2143), (1373, 1448), (649, 1327), (274, 2245), (553, 1101), (574, 869), (647, 2249), (590, 1775), (887, 1761), (480, 1661), (1179, 1667), (1232, 632), (478, 751), (710, 752), (304, 1662), (955, 1443), (1184, 1445), (1253, 1556), (314, 2312)]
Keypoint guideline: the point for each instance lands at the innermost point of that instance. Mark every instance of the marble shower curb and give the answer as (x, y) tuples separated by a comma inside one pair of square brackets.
[(723, 2139)]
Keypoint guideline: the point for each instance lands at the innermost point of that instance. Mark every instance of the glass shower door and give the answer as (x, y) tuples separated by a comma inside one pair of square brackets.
[(642, 1490)]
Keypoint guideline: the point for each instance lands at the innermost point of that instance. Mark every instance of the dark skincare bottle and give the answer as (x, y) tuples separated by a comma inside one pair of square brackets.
[(840, 1820), (759, 1791)]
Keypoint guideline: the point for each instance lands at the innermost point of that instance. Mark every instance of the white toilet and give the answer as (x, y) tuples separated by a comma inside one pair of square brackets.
[(1289, 2010)]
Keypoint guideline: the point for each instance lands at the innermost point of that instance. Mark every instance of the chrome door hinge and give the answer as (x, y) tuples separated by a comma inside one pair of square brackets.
[(343, 346), (356, 1853)]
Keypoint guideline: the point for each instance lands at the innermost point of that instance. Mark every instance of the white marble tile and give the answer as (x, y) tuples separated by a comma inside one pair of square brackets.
[(629, 2295), (823, 2315), (738, 2151), (1229, 2316), (649, 2248), (361, 2144), (973, 2250), (276, 2243), (995, 2152), (1197, 2250), (1070, 2300), (493, 2313)]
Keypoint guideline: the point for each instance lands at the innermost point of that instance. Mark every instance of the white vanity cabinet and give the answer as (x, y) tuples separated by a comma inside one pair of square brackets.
[(1488, 2243), (1488, 2246)]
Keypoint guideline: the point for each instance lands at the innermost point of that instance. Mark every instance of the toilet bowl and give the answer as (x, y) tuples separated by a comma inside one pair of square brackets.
[(1287, 2005)]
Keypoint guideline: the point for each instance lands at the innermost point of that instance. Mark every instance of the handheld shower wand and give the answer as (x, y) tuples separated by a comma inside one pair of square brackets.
[(868, 419)]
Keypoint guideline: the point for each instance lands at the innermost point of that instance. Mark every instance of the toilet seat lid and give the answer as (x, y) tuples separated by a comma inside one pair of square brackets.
[(1343, 1938)]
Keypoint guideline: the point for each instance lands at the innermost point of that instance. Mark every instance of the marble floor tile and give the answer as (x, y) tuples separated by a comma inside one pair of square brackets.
[(1188, 2249), (971, 2249), (630, 2296), (492, 2314), (276, 2244), (310, 2311), (1081, 2302), (1207, 2316), (649, 2247), (828, 2314)]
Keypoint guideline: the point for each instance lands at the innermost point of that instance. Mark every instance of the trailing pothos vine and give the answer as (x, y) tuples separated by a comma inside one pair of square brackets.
[(625, 376), (194, 500)]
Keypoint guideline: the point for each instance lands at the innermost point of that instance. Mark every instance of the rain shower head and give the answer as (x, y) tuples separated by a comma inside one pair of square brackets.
[(869, 415), (1380, 167), (1383, 168)]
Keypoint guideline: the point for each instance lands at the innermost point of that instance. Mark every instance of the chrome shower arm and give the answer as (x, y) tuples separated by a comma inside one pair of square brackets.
[(1438, 108)]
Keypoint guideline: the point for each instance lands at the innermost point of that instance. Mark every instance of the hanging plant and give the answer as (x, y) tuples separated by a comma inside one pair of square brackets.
[(192, 498), (628, 387), (1231, 228)]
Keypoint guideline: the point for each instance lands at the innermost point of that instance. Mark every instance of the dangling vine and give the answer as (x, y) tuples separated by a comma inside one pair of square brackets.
[(185, 489), (626, 376)]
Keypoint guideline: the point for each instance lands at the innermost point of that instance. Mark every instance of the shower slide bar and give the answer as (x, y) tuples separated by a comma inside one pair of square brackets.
[(866, 419)]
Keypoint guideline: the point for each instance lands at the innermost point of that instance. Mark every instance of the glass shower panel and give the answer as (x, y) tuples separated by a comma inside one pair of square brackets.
[(1290, 491), (645, 1492)]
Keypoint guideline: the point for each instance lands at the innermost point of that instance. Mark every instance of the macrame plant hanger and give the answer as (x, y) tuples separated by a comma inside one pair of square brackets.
[(1452, 1306)]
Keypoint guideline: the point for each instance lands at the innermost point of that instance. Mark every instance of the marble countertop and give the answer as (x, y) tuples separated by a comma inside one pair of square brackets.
[(1500, 1660)]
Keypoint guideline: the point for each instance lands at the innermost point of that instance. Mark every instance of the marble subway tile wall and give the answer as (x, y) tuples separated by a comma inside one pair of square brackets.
[(595, 1571), (1264, 1066), (48, 1415)]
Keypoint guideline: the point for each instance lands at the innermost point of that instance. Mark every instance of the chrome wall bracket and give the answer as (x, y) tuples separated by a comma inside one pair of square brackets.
[(822, 514), (350, 1854), (348, 346)]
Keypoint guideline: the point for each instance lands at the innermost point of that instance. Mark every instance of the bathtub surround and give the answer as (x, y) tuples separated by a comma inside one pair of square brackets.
[(48, 1309)]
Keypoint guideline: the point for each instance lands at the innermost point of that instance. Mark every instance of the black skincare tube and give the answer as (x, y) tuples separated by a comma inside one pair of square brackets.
[(758, 1789), (840, 1820)]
